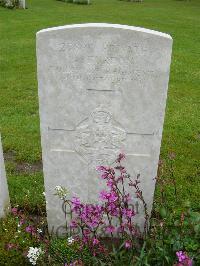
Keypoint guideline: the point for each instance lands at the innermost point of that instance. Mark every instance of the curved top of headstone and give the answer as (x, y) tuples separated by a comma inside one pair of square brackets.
[(106, 25)]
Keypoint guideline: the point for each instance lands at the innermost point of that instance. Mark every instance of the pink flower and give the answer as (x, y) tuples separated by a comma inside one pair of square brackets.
[(128, 244), (85, 239), (110, 183), (73, 224), (22, 221), (103, 195), (76, 205), (128, 213), (113, 209), (75, 201), (112, 197), (93, 224), (101, 168), (181, 256), (14, 211), (95, 241), (30, 229), (104, 175), (110, 229), (183, 259), (86, 231), (106, 172), (110, 176)]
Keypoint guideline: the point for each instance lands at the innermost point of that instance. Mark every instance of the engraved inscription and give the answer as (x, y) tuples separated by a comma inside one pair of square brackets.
[(112, 48), (104, 64), (115, 77)]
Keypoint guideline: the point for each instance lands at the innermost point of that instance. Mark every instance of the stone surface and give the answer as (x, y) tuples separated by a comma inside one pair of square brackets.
[(4, 195), (81, 2), (102, 90), (22, 4)]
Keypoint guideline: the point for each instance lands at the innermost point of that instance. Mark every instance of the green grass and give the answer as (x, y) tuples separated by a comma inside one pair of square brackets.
[(19, 119)]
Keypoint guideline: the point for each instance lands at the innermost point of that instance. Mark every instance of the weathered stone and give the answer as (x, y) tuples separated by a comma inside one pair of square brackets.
[(102, 90), (4, 195), (22, 4)]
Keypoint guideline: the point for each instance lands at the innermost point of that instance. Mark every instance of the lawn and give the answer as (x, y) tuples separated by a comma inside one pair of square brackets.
[(19, 118)]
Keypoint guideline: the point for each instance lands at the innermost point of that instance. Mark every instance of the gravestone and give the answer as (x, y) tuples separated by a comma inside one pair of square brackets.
[(102, 91), (22, 4), (4, 195), (81, 2)]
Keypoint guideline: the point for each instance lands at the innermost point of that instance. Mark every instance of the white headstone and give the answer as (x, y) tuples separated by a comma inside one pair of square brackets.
[(81, 1), (102, 90), (4, 195), (22, 4)]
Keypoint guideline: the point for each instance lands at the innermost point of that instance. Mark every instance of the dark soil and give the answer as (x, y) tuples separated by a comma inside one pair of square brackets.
[(22, 167)]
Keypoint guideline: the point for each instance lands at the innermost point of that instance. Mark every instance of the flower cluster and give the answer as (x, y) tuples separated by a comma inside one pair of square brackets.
[(113, 216), (70, 240), (61, 192), (87, 218), (33, 255), (27, 231), (117, 202), (183, 259), (86, 215)]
